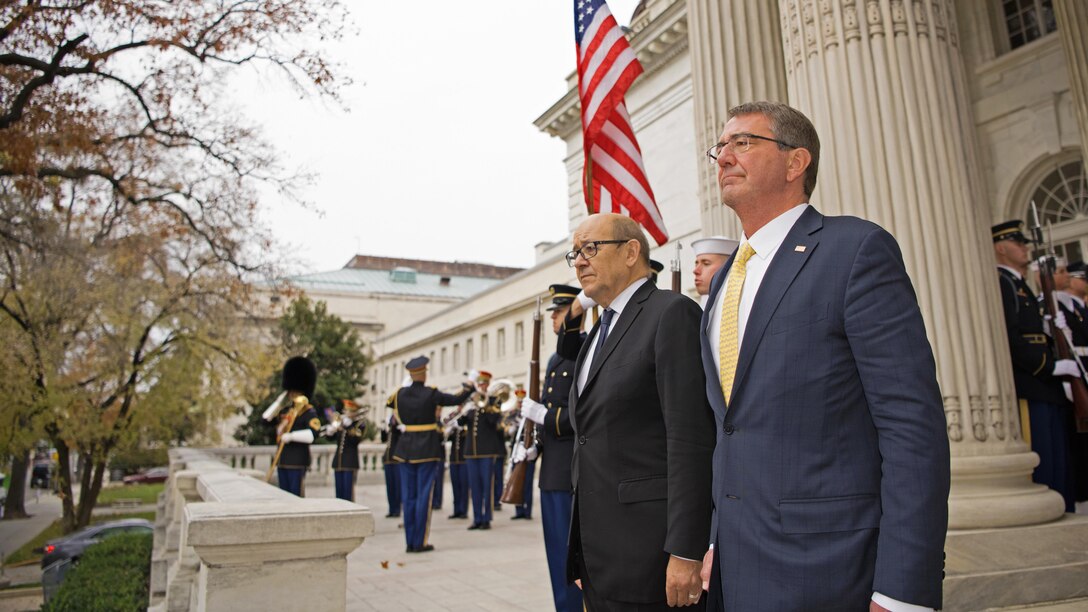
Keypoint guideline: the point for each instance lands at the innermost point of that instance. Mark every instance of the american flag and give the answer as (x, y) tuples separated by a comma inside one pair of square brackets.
[(606, 68)]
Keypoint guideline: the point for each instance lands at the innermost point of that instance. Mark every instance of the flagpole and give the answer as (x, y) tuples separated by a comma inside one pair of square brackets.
[(589, 181)]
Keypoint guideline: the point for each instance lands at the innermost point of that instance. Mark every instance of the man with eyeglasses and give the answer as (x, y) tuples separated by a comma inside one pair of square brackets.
[(1044, 409), (643, 432), (831, 469)]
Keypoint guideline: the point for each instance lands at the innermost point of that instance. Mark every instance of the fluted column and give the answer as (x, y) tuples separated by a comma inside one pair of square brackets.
[(1072, 16), (736, 57), (883, 80)]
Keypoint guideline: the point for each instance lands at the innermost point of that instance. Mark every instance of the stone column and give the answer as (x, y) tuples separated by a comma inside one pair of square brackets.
[(736, 56), (1072, 16), (884, 83)]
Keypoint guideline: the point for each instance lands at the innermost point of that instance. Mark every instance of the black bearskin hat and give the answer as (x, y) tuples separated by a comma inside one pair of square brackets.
[(300, 374)]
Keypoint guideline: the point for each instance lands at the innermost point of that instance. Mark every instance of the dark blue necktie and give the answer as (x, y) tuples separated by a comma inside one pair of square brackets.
[(602, 335)]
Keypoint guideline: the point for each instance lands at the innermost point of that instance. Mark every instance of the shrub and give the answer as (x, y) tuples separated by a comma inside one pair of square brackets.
[(133, 460), (111, 576)]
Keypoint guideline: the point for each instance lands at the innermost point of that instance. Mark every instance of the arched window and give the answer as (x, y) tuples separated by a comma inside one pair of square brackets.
[(1062, 199)]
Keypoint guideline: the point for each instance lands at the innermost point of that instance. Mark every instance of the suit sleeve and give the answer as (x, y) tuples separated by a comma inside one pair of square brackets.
[(883, 324), (1032, 358), (689, 429)]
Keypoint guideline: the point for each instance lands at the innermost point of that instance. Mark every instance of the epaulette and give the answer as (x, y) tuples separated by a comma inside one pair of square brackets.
[(392, 398)]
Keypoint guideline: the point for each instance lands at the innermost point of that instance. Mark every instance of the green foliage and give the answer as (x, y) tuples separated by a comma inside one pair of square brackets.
[(112, 576), (31, 550), (342, 358), (132, 460)]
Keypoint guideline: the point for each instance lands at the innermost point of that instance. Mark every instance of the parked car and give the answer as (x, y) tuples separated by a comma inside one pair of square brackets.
[(155, 474), (71, 546)]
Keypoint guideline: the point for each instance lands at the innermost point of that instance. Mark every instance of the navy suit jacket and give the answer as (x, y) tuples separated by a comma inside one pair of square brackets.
[(831, 469)]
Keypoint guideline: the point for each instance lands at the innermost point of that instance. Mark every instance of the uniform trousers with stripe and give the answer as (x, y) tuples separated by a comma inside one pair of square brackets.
[(345, 483), (459, 484), (416, 485), (392, 487), (526, 507), (555, 509), (439, 483), (496, 482), (1050, 431), (291, 479), (481, 473)]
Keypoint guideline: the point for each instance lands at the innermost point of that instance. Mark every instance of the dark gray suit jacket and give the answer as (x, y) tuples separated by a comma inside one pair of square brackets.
[(831, 470), (643, 445)]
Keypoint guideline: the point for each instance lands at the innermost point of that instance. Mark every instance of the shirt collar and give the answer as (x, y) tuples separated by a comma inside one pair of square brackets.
[(768, 238), (621, 300), (1014, 272)]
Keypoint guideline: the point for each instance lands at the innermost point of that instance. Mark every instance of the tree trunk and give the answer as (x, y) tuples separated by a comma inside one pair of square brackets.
[(91, 480), (15, 506), (64, 485)]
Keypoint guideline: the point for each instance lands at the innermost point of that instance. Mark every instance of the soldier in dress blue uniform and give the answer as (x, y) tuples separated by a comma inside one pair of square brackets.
[(483, 445), (1035, 370), (346, 429), (556, 449), (1078, 292), (389, 435), (299, 424), (458, 469), (417, 408)]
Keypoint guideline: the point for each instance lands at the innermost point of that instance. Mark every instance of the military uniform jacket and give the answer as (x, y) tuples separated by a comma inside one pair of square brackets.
[(390, 438), (296, 455), (457, 445), (347, 446), (416, 407), (485, 435), (1032, 360), (556, 435)]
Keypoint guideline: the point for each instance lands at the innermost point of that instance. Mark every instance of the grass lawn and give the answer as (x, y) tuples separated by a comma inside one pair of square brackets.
[(27, 554), (146, 493)]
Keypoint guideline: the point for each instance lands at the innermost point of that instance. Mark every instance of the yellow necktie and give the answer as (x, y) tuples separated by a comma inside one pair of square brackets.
[(727, 333)]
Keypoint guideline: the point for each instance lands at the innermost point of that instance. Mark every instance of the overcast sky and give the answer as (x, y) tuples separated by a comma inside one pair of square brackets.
[(438, 157)]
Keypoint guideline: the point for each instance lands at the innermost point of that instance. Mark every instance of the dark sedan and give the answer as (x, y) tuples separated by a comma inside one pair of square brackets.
[(156, 474), (72, 545)]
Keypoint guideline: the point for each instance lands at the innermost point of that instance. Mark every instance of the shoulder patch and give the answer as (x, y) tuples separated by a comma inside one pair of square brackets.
[(315, 424)]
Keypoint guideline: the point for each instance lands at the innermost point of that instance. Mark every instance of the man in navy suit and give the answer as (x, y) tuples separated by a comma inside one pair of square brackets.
[(831, 470)]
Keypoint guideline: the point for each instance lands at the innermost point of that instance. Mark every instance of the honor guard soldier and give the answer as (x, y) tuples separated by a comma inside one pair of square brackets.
[(1034, 367), (389, 435), (483, 445), (346, 429), (519, 453), (458, 468), (556, 449), (298, 425), (710, 254), (419, 450)]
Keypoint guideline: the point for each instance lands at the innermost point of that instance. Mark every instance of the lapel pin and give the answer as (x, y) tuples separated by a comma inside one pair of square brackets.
[(799, 248)]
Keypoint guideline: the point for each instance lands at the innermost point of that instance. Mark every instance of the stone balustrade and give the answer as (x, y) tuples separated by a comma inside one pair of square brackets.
[(227, 540), (320, 474)]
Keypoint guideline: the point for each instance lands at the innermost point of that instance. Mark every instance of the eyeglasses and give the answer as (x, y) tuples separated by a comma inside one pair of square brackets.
[(589, 250), (740, 143)]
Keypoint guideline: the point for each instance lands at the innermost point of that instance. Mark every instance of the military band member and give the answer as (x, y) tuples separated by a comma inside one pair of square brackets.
[(519, 453), (484, 444), (346, 429), (458, 469), (556, 449), (419, 450), (1035, 369), (389, 435), (710, 254), (298, 424)]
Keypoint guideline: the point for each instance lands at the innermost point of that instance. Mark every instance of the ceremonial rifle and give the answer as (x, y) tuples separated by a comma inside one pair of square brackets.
[(1062, 344), (676, 269), (514, 491)]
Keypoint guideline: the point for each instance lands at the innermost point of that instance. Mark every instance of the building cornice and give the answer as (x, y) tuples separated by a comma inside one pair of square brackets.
[(656, 44)]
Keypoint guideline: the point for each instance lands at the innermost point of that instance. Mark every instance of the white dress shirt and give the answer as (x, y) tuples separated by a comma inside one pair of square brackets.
[(766, 243), (617, 307)]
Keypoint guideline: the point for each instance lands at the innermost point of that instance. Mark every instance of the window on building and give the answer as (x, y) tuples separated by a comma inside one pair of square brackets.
[(468, 353), (483, 349), (442, 362), (500, 343), (431, 357), (388, 380), (1062, 199), (456, 357), (519, 338), (1027, 20)]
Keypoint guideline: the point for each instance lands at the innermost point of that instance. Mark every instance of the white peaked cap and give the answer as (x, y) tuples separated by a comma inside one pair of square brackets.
[(716, 245)]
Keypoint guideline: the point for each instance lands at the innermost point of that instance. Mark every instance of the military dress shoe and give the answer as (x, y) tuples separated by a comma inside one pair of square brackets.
[(520, 517), (474, 526), (457, 516), (485, 526), (421, 549), (393, 515), (498, 507)]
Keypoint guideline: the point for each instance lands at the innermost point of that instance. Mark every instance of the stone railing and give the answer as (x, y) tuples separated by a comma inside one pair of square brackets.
[(320, 474), (226, 540)]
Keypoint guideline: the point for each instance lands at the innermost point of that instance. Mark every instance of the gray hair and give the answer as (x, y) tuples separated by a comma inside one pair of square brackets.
[(788, 125)]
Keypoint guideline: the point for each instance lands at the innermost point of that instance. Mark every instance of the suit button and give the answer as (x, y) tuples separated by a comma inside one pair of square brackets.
[(581, 439), (549, 389), (549, 404), (728, 429)]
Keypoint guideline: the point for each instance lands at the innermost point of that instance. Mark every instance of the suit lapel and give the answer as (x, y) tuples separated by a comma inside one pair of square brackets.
[(785, 266), (717, 399), (619, 329)]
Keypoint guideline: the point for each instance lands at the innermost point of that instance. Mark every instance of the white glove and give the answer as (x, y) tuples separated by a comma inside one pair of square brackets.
[(452, 428), (518, 455), (345, 421), (401, 428), (271, 412), (1059, 321), (532, 453), (586, 301), (1068, 388), (1066, 367), (303, 436), (534, 411)]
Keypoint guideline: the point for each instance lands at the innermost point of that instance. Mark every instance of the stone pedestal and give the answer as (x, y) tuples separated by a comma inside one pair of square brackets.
[(736, 57)]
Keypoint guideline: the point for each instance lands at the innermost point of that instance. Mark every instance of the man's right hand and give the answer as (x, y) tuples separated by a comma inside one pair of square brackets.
[(1066, 367), (708, 563)]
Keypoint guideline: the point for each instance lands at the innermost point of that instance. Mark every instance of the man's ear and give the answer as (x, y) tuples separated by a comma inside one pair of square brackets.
[(797, 163), (634, 248)]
